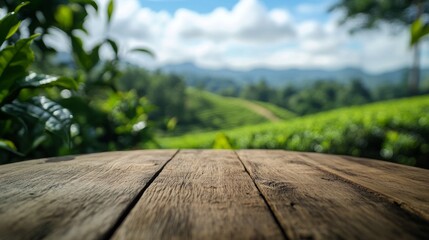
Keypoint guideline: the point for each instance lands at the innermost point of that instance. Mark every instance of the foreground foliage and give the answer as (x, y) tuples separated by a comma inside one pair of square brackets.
[(97, 115), (396, 131), (26, 119)]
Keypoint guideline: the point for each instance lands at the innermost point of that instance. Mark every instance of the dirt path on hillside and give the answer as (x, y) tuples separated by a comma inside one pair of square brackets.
[(261, 111)]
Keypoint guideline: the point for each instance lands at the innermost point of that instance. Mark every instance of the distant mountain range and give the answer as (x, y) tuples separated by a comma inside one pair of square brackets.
[(295, 77), (222, 78)]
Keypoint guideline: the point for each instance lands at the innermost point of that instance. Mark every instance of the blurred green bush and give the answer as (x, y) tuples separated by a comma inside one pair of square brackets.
[(105, 118), (396, 131)]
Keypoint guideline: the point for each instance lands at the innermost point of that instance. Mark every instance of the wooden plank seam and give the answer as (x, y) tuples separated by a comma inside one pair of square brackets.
[(124, 214), (277, 221), (395, 201)]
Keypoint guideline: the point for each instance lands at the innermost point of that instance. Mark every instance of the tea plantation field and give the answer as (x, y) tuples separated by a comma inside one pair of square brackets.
[(208, 111), (395, 130)]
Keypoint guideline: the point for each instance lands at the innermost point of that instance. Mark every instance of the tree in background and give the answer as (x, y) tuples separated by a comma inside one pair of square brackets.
[(167, 93), (321, 96), (355, 93), (404, 13), (259, 91)]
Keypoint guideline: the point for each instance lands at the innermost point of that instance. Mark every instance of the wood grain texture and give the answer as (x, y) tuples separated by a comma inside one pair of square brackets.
[(78, 197), (314, 204), (201, 195), (405, 186)]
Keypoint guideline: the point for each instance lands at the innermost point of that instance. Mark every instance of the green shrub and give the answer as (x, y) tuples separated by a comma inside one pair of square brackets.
[(396, 131), (27, 118)]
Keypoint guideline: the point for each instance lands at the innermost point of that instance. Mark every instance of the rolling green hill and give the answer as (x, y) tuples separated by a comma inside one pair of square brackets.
[(207, 111), (393, 130)]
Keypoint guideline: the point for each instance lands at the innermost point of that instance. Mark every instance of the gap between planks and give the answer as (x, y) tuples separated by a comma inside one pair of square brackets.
[(277, 221), (265, 199), (73, 197), (258, 223), (286, 192), (124, 214), (376, 190)]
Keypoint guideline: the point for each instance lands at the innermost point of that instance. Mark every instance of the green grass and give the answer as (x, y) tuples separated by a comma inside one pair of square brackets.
[(393, 130), (212, 112), (279, 112)]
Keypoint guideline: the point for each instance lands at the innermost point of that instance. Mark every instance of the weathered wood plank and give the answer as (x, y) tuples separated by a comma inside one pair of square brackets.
[(311, 203), (13, 168), (405, 186), (201, 195), (73, 197)]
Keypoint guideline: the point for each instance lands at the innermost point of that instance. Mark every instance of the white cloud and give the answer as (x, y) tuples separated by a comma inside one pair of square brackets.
[(248, 21), (2, 12), (249, 35)]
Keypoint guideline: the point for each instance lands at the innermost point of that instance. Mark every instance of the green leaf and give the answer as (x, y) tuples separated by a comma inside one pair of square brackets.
[(21, 5), (143, 50), (86, 60), (81, 56), (9, 146), (13, 30), (14, 62), (94, 55), (51, 115), (64, 17), (8, 26), (90, 2), (114, 46), (34, 80), (415, 31), (221, 142), (10, 23), (110, 8), (418, 30)]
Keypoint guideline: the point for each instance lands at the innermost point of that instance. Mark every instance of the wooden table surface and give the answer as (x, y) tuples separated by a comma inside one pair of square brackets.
[(209, 194)]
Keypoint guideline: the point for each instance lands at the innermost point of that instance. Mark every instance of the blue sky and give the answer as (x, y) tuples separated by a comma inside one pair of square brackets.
[(248, 34), (205, 6)]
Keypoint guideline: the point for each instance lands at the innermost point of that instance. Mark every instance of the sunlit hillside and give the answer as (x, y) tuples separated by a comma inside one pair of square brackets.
[(207, 111), (393, 130)]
